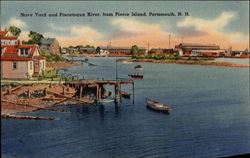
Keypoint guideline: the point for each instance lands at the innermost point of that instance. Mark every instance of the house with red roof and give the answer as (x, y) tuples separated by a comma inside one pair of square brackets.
[(19, 61)]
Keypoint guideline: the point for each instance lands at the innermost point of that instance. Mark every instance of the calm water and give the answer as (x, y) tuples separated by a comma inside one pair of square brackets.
[(211, 117), (235, 61)]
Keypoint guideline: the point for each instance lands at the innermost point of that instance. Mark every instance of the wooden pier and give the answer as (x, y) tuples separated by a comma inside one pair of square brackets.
[(97, 87)]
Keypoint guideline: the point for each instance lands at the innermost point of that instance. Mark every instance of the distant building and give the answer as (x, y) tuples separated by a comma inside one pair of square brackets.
[(71, 50), (241, 54), (186, 49), (84, 50), (162, 51), (121, 50), (51, 45), (19, 61)]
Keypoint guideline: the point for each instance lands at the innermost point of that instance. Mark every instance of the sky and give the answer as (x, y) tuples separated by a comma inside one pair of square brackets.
[(210, 22)]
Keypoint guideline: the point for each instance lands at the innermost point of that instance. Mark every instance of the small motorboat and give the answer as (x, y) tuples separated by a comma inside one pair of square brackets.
[(125, 95), (153, 105), (138, 67), (136, 76)]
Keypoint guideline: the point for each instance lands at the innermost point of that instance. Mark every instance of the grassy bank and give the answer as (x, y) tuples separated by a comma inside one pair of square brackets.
[(187, 62)]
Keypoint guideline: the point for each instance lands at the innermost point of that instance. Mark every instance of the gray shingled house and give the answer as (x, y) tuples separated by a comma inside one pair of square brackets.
[(51, 45)]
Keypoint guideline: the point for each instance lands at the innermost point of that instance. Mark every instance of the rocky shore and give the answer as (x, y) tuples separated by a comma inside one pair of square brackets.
[(58, 65)]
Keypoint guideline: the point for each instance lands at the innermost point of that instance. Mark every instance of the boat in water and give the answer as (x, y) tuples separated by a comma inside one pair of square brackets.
[(136, 76), (156, 106), (106, 100), (126, 62), (138, 67), (125, 95)]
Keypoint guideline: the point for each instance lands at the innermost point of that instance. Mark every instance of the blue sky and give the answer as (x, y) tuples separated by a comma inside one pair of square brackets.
[(222, 23)]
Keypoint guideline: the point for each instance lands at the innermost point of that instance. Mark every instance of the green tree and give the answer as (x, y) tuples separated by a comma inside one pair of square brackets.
[(134, 50), (15, 30), (89, 46), (35, 38)]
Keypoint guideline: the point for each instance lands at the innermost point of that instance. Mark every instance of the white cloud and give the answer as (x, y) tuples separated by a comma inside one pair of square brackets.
[(202, 24), (85, 32), (214, 26), (135, 26), (54, 27), (17, 22), (78, 31)]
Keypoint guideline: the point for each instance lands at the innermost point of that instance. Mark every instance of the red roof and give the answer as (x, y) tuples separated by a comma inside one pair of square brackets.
[(39, 57), (15, 58), (10, 50), (3, 33), (31, 47), (9, 37)]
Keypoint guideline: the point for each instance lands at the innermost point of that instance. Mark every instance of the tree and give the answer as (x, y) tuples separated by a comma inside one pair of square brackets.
[(89, 46), (15, 30), (35, 37), (134, 50)]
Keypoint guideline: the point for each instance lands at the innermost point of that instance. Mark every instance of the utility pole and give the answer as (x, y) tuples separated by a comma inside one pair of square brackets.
[(169, 41)]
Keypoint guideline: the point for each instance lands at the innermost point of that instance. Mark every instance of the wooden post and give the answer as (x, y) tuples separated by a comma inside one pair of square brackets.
[(63, 90), (97, 92), (100, 92), (133, 93), (9, 90), (28, 92), (45, 91), (81, 89), (120, 96), (116, 93)]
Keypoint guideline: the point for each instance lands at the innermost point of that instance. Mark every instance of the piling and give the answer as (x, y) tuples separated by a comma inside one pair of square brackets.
[(81, 90), (133, 92), (45, 91), (117, 93)]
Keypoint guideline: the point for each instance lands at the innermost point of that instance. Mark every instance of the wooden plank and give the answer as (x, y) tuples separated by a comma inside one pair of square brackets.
[(80, 100), (26, 117)]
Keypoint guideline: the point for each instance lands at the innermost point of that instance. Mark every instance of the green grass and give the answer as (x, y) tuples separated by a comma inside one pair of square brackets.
[(50, 57), (157, 57)]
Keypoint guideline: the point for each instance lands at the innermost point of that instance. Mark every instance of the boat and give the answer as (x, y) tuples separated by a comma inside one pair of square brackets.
[(138, 67), (153, 105), (106, 100), (127, 62), (136, 76), (106, 94), (125, 95)]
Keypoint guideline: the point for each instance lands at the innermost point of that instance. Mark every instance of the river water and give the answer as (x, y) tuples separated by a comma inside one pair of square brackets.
[(210, 117)]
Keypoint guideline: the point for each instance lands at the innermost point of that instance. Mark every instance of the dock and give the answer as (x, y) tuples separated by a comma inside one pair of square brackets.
[(97, 86)]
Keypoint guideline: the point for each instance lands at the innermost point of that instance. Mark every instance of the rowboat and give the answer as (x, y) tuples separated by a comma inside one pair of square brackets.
[(136, 76), (138, 67), (153, 105), (125, 95), (106, 100)]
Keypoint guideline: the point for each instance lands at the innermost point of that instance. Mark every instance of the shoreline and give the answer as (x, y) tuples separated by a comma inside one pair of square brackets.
[(187, 62), (59, 65)]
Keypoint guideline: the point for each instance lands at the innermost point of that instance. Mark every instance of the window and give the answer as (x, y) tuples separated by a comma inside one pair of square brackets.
[(31, 66), (24, 51), (21, 51), (14, 65)]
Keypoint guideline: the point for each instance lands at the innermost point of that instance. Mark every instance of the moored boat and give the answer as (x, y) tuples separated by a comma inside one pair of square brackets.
[(136, 76), (125, 95), (153, 105), (138, 67)]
